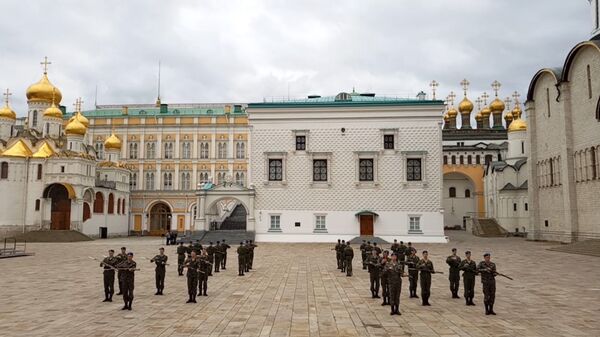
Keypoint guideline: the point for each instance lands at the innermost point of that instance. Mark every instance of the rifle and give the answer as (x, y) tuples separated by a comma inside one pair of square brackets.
[(111, 267), (152, 261), (488, 270), (430, 271)]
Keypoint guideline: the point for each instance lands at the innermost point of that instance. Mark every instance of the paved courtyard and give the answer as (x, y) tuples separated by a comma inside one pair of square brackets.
[(296, 290)]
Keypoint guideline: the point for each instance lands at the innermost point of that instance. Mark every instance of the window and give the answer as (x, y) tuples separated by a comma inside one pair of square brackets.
[(522, 147), (388, 142), (488, 158), (123, 206), (111, 203), (167, 181), (150, 150), (220, 177), (240, 178), (133, 150), (453, 160), (168, 150), (365, 170), (275, 223), (445, 160), (548, 100), (204, 151), (551, 172), (186, 150), (37, 204), (598, 110), (133, 181), (320, 170), (514, 207), (39, 172), (320, 223), (414, 224), (452, 192), (477, 160), (589, 81), (62, 169), (413, 169), (300, 143), (34, 120), (222, 150), (186, 181), (99, 203), (203, 177), (467, 193), (240, 150), (526, 207), (275, 170), (149, 181), (469, 160), (461, 160), (593, 162), (119, 206), (546, 223), (99, 146)]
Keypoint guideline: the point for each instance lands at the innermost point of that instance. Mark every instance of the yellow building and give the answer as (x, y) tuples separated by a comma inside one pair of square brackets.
[(171, 148)]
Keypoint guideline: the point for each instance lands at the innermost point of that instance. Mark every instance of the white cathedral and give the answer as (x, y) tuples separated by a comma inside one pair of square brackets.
[(49, 175)]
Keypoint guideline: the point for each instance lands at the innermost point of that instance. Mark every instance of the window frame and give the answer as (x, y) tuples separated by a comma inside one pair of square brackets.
[(300, 133), (320, 227), (275, 156), (276, 228), (411, 228)]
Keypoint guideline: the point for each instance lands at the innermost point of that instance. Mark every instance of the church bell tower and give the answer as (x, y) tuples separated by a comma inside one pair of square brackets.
[(595, 5)]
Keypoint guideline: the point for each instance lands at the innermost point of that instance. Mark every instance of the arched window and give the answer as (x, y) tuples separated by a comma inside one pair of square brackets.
[(240, 150), (34, 119), (4, 170), (453, 160), (467, 193), (469, 160), (462, 160), (598, 110), (167, 181), (119, 206), (445, 160), (204, 152), (123, 206), (99, 203), (149, 181), (133, 181), (86, 211), (39, 172), (477, 160), (593, 162), (452, 192), (111, 204)]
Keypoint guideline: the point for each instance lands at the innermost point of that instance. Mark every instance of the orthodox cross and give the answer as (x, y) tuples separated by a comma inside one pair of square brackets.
[(451, 98), (516, 96), (478, 101), (465, 84), (433, 86), (496, 86), (6, 94), (485, 96), (77, 105), (507, 102), (45, 63)]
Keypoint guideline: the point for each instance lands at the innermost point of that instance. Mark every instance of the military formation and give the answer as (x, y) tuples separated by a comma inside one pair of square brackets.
[(197, 261), (386, 271)]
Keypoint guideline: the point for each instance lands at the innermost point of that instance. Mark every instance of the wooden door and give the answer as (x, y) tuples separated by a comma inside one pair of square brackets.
[(137, 223), (366, 225), (181, 223)]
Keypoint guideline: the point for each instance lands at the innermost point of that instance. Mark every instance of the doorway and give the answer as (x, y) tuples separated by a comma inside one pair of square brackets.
[(366, 225), (160, 219), (60, 209)]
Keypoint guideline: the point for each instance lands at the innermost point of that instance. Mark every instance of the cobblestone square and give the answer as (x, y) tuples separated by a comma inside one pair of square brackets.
[(296, 290)]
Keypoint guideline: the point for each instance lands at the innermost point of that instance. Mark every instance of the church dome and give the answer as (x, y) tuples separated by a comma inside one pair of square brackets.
[(53, 111), (478, 117), (465, 106), (497, 106), (112, 142), (7, 112), (452, 113), (508, 117), (517, 125), (81, 118), (43, 91), (485, 112), (516, 112), (75, 127)]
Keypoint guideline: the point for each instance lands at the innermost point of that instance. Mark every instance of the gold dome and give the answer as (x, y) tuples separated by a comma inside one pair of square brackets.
[(7, 112), (478, 116), (518, 125), (43, 91), (18, 149), (112, 142), (53, 111), (485, 112), (452, 113), (517, 112), (497, 106), (75, 127), (508, 117), (81, 118), (465, 106), (446, 118)]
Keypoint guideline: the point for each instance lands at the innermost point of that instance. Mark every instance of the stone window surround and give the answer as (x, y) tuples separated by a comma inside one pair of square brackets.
[(393, 132), (306, 141), (419, 231), (320, 155), (275, 155), (414, 155), (320, 230), (358, 155), (271, 229)]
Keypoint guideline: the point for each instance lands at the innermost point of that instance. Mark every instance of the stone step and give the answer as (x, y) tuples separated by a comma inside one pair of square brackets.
[(586, 247), (53, 236), (359, 239)]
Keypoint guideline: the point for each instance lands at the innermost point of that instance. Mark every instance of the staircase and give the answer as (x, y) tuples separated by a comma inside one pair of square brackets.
[(488, 227), (359, 239), (586, 247), (53, 236), (236, 220), (232, 237)]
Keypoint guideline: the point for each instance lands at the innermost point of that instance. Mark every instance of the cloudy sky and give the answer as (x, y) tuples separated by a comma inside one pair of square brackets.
[(245, 51)]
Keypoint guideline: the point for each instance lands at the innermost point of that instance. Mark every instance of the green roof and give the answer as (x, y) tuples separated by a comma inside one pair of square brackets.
[(346, 99), (163, 111)]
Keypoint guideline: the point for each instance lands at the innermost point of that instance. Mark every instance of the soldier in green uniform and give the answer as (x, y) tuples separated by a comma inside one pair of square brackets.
[(384, 275), (374, 273), (159, 273), (413, 273), (204, 268), (251, 254), (363, 254), (181, 250), (425, 266), (409, 248), (121, 257), (128, 268), (241, 251), (109, 264), (192, 263), (402, 252), (210, 250), (469, 268), (348, 256), (368, 250), (376, 248), (224, 248), (342, 247), (394, 247), (197, 247), (487, 269), (453, 262), (395, 272), (218, 254), (337, 253)]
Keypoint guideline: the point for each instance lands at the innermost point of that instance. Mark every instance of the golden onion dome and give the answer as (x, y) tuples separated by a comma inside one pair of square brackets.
[(497, 106), (465, 106), (43, 91), (7, 112), (446, 118), (81, 118), (75, 127), (485, 112), (112, 142), (517, 112), (517, 125), (478, 116), (53, 111), (452, 113), (508, 117)]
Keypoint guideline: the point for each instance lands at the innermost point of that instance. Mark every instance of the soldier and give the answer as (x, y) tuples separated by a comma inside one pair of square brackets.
[(109, 264), (218, 254), (224, 248), (204, 268), (247, 256), (210, 250), (487, 269), (377, 249), (348, 256), (395, 272), (121, 257), (425, 266), (402, 252), (394, 247), (363, 253), (374, 273), (241, 259), (251, 255), (385, 288), (343, 259), (469, 268), (193, 266), (454, 262), (159, 273), (128, 268), (409, 248), (368, 250), (197, 247), (413, 272), (181, 250), (337, 253)]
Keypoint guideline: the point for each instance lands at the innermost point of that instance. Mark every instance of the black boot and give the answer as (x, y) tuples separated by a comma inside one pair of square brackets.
[(105, 298), (487, 308), (492, 309), (189, 300), (471, 300), (467, 302), (129, 306)]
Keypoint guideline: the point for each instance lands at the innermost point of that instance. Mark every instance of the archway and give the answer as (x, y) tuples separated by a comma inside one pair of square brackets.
[(60, 210), (160, 218), (458, 200), (227, 214)]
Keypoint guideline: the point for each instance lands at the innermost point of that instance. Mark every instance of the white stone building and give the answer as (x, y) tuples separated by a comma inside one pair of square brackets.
[(325, 168), (563, 111)]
